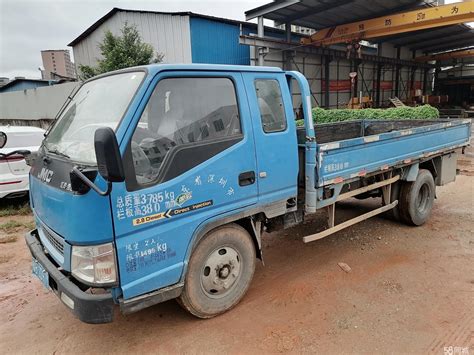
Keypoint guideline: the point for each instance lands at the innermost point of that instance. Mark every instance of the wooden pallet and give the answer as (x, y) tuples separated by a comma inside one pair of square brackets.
[(396, 102)]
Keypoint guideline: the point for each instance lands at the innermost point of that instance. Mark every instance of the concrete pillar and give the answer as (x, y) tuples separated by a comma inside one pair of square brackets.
[(287, 55), (260, 33)]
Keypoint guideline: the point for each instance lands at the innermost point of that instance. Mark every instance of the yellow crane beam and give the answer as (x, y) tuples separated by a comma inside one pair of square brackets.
[(467, 53), (421, 19)]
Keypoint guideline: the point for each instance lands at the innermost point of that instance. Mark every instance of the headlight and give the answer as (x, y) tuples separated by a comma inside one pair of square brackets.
[(95, 265)]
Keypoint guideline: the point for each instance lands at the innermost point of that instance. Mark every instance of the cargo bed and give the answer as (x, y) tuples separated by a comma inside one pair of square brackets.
[(356, 148)]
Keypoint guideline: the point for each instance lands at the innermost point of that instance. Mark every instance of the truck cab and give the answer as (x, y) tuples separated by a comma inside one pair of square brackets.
[(199, 151)]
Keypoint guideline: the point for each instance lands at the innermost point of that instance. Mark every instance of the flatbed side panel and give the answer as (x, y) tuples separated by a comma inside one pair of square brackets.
[(338, 161)]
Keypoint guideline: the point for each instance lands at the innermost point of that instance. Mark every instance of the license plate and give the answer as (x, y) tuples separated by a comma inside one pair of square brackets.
[(40, 273)]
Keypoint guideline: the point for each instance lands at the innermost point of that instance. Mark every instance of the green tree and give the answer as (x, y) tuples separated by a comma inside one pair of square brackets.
[(122, 51)]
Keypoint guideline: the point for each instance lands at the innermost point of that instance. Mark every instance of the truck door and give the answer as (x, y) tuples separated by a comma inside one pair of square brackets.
[(190, 159), (275, 135)]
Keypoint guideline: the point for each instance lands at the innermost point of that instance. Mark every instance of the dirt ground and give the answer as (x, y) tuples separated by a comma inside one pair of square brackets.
[(410, 290)]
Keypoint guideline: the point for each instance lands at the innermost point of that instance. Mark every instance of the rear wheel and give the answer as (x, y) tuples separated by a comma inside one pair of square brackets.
[(417, 198), (219, 272)]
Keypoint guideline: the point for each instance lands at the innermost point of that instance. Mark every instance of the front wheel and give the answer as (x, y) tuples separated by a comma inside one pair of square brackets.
[(219, 272), (417, 198)]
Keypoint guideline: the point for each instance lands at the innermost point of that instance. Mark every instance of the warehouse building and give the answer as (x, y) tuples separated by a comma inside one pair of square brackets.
[(182, 37), (185, 37), (408, 36), (385, 68)]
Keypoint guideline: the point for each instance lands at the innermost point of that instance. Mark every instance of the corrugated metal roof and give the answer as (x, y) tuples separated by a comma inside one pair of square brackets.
[(436, 39), (320, 14)]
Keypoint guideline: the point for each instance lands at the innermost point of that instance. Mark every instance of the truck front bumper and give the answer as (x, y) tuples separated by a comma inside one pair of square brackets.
[(89, 308)]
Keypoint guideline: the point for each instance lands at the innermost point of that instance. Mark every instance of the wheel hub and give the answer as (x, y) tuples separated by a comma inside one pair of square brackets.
[(220, 272), (421, 200), (224, 272)]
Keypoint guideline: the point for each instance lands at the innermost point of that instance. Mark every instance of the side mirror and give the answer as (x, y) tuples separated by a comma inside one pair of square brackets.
[(3, 139), (109, 161)]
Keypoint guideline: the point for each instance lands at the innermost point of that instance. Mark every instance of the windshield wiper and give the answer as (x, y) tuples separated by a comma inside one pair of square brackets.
[(57, 152)]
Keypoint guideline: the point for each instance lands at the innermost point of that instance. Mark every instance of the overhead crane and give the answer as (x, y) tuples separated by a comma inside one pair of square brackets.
[(416, 20)]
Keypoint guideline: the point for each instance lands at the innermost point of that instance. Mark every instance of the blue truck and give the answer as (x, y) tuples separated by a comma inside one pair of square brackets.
[(157, 182)]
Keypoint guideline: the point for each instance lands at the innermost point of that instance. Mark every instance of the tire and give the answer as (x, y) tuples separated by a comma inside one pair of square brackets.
[(219, 272), (417, 198)]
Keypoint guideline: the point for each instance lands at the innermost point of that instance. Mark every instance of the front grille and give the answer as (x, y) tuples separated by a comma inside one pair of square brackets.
[(56, 241)]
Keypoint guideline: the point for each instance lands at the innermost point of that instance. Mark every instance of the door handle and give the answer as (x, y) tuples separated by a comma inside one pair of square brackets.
[(247, 178)]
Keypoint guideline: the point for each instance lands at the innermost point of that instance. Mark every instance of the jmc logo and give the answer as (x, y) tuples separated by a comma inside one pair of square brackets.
[(45, 175)]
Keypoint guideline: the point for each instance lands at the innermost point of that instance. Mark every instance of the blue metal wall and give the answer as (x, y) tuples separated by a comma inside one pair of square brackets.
[(217, 43), (24, 85)]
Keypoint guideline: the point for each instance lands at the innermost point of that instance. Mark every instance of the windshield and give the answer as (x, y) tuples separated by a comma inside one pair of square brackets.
[(98, 103)]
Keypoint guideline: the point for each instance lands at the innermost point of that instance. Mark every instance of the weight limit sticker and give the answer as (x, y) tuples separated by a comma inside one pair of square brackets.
[(171, 212)]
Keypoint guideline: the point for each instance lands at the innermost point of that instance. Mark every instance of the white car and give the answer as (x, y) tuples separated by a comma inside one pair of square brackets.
[(13, 168)]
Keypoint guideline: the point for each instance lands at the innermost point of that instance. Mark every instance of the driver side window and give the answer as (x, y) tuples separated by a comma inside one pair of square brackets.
[(186, 121)]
